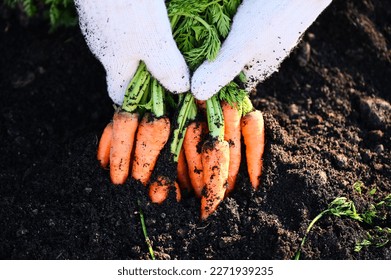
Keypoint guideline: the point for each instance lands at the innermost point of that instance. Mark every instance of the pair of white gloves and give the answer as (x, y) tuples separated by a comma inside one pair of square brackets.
[(121, 33)]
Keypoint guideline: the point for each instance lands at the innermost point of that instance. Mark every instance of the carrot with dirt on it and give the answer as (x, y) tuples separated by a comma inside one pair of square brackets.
[(232, 134), (152, 135), (124, 128), (253, 132), (103, 153), (159, 190), (215, 160)]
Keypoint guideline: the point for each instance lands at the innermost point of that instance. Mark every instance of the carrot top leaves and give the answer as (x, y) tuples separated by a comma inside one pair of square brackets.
[(199, 27), (215, 118)]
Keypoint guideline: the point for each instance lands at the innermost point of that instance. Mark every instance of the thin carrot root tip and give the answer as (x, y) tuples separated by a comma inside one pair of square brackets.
[(159, 190), (183, 172), (215, 159), (253, 132), (124, 129), (151, 137), (103, 153)]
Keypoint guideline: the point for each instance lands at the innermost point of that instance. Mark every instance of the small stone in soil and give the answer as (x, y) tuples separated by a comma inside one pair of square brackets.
[(375, 111), (375, 135), (150, 222), (378, 166), (88, 190), (321, 178), (293, 110), (379, 149), (21, 231), (136, 250), (341, 161)]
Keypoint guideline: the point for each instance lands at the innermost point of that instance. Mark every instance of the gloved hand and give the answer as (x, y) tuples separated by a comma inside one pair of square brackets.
[(120, 33), (263, 33)]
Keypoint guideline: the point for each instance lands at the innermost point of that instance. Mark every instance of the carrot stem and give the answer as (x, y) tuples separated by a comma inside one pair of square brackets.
[(215, 118), (157, 98), (247, 106), (187, 113), (137, 89)]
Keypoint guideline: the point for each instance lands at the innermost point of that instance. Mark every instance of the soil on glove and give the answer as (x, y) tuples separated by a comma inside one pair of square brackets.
[(327, 116)]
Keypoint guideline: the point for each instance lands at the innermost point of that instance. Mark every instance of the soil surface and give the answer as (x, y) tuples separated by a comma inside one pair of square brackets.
[(327, 114)]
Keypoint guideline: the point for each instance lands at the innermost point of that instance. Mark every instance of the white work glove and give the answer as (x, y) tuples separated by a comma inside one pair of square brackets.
[(263, 33), (120, 33)]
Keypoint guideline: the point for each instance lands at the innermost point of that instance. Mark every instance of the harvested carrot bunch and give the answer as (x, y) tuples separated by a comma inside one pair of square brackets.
[(140, 129), (204, 140), (213, 149)]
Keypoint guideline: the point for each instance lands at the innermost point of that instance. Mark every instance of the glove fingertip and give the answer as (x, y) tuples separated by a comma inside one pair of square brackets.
[(172, 74), (118, 77), (203, 90), (178, 82)]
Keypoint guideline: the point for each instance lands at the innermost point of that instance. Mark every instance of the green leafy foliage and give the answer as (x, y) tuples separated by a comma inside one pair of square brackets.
[(377, 237), (232, 94), (342, 207), (58, 12), (200, 26), (357, 186)]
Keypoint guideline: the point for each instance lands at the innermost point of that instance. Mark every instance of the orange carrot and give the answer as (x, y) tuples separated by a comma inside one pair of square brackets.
[(152, 135), (191, 146), (232, 136), (103, 154), (158, 190), (124, 129), (254, 139), (183, 172), (215, 160)]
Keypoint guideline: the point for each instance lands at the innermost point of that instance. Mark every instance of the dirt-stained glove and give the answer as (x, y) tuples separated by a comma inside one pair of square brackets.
[(120, 33), (263, 33)]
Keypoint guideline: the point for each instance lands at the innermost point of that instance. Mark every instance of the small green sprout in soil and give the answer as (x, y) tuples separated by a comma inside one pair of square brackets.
[(359, 187), (341, 207), (145, 233)]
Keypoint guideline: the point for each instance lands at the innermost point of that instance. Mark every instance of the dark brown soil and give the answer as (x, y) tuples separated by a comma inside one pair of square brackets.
[(328, 122)]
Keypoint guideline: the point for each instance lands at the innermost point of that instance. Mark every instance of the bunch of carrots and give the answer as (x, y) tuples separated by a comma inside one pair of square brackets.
[(205, 138)]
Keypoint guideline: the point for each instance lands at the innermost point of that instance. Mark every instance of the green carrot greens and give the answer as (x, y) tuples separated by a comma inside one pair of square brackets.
[(199, 27)]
